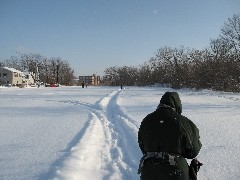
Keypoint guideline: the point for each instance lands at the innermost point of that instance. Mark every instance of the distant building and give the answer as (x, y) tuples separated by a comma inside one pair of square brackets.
[(29, 78), (11, 76), (90, 80)]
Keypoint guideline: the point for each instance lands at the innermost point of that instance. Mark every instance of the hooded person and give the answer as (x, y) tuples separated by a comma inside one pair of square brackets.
[(166, 138)]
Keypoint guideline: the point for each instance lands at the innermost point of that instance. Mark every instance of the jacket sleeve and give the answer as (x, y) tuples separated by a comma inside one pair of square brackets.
[(190, 139), (140, 137)]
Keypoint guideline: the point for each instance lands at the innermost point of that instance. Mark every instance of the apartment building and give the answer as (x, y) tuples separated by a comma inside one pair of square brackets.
[(90, 80)]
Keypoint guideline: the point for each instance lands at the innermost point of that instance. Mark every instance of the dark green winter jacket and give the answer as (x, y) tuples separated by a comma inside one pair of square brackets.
[(166, 130)]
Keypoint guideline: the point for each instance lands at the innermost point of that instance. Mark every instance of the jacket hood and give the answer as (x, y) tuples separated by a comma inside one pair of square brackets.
[(171, 99)]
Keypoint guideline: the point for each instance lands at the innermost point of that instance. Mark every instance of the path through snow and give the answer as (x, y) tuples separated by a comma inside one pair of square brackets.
[(107, 149)]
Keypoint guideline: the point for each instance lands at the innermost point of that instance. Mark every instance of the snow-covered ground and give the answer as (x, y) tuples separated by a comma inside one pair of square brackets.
[(91, 133)]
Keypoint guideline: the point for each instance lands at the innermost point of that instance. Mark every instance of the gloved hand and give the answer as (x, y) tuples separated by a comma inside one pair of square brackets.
[(194, 168)]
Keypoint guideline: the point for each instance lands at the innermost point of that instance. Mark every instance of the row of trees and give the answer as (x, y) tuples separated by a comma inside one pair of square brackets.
[(216, 67), (50, 70)]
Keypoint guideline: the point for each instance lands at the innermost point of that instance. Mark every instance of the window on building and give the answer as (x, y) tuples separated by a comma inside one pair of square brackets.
[(0, 74), (4, 74), (15, 74)]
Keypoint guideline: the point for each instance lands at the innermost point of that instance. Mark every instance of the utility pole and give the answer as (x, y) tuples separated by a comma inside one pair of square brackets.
[(57, 71), (37, 76)]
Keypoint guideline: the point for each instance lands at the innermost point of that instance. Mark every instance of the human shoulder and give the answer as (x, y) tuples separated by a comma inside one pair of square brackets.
[(187, 123), (151, 114)]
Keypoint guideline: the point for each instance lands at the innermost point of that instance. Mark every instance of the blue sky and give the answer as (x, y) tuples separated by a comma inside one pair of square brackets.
[(93, 35)]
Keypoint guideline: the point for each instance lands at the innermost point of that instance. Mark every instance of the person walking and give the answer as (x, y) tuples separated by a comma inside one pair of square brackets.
[(166, 138)]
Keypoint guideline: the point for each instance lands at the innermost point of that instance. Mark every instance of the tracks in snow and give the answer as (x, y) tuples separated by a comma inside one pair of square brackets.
[(107, 150)]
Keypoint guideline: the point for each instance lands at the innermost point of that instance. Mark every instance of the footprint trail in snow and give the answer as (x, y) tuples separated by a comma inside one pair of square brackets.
[(104, 151)]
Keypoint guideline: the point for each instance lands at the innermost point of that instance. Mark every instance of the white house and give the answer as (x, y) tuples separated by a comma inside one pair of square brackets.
[(11, 76), (29, 78)]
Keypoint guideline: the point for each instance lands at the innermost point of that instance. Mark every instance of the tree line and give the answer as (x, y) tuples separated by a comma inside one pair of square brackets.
[(216, 67), (50, 70)]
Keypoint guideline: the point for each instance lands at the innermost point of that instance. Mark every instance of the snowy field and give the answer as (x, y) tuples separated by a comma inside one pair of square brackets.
[(91, 134)]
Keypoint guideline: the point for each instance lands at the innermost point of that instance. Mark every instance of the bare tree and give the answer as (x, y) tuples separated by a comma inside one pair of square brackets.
[(53, 70), (230, 33)]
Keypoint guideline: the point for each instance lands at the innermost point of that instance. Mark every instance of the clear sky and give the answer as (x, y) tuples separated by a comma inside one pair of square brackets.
[(93, 35)]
